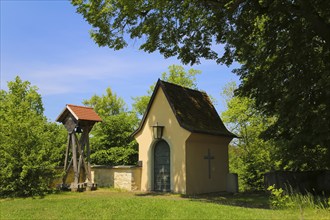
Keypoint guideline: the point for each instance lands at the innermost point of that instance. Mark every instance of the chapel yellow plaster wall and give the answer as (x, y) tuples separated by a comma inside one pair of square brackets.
[(174, 135), (197, 167)]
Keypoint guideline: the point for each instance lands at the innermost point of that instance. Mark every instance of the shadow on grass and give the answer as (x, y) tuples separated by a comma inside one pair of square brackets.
[(259, 200), (160, 194)]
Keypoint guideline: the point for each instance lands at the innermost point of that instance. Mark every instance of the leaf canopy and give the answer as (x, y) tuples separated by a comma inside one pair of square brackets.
[(283, 47)]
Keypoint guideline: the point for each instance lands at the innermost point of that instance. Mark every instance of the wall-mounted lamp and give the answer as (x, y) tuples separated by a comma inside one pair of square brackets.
[(157, 131)]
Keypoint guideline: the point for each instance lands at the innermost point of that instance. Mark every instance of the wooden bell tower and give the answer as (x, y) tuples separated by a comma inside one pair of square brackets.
[(78, 121)]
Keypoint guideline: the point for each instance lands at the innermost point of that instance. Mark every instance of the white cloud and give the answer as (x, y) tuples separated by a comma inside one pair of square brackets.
[(76, 74)]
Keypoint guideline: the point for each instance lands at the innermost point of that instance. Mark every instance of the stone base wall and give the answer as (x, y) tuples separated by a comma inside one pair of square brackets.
[(232, 183), (122, 177)]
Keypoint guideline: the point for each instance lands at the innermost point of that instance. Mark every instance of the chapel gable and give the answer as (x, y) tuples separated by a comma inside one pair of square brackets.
[(193, 110)]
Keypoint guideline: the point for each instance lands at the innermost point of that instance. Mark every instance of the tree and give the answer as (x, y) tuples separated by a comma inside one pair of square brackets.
[(106, 105), (30, 146), (177, 75), (283, 48), (111, 143), (249, 156)]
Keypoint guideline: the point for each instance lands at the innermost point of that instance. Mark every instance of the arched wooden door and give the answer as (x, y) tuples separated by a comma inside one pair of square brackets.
[(162, 180)]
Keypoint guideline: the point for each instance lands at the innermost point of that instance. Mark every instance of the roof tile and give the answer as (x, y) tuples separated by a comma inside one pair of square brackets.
[(80, 113), (84, 113), (192, 108)]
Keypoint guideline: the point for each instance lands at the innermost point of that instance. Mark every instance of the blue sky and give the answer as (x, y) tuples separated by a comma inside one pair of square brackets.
[(48, 44)]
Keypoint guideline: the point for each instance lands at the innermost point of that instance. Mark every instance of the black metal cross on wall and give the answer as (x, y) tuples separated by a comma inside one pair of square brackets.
[(209, 158)]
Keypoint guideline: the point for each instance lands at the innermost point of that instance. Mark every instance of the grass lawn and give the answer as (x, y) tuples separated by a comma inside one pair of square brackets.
[(113, 204)]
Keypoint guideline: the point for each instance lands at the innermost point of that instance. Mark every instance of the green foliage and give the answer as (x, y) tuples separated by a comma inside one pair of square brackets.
[(111, 143), (283, 48), (249, 156), (309, 201), (287, 72), (281, 199), (30, 146), (141, 103), (116, 156), (177, 75), (106, 105)]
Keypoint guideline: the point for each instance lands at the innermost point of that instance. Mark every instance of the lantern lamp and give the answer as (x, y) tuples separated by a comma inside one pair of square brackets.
[(157, 131)]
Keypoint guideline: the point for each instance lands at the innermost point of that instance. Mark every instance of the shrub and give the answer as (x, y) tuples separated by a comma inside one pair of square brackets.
[(29, 145), (280, 199)]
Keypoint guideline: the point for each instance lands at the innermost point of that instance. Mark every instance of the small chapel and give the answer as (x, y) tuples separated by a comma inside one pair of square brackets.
[(183, 147), (183, 144)]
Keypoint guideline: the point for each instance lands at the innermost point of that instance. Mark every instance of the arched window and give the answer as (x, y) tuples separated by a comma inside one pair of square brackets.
[(162, 174)]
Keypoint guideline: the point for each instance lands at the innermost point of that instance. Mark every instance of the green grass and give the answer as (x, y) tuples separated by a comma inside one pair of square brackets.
[(112, 204)]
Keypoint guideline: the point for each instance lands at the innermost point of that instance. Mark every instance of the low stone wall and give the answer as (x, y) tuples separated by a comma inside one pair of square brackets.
[(123, 177)]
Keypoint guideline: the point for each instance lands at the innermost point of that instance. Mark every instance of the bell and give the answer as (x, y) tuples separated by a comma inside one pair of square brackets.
[(78, 130)]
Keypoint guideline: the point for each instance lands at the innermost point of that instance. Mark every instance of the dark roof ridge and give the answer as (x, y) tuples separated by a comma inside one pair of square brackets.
[(79, 106), (183, 87)]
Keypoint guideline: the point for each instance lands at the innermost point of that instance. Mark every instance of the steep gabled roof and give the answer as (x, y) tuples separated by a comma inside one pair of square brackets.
[(193, 110), (81, 113)]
